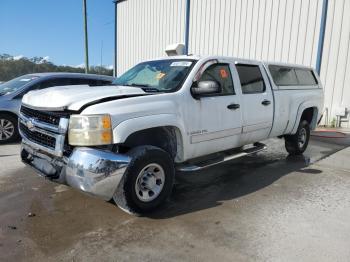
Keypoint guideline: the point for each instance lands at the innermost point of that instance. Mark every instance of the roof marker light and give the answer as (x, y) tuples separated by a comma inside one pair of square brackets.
[(175, 49)]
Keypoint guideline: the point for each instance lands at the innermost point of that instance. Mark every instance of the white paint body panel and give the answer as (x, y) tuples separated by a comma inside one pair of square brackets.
[(203, 126), (76, 96)]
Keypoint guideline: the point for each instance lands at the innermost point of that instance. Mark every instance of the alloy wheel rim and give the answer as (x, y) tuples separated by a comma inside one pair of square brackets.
[(7, 129), (150, 182), (302, 137)]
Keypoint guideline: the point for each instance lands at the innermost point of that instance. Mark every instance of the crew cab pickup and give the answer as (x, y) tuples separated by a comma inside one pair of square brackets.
[(126, 141)]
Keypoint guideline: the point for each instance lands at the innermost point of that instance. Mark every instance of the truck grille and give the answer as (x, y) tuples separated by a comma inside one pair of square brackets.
[(45, 130), (37, 137), (52, 118)]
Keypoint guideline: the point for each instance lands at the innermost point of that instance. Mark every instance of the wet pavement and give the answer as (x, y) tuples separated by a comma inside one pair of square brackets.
[(265, 207)]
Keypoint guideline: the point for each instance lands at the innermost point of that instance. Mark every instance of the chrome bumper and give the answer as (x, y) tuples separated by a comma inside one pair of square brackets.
[(90, 170)]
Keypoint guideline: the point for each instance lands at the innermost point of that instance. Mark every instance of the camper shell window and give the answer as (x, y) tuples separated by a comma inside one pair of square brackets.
[(292, 76)]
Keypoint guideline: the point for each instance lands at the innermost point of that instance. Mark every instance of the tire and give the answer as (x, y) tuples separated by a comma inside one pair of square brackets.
[(8, 129), (296, 144), (147, 182)]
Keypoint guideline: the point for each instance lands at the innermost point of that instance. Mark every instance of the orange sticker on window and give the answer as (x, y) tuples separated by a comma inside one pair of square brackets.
[(160, 76), (223, 73)]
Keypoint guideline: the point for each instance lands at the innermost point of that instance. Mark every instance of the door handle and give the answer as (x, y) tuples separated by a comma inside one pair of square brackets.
[(266, 102), (233, 106)]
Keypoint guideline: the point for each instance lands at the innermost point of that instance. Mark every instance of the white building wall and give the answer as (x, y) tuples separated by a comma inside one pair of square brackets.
[(335, 69), (146, 27), (274, 30)]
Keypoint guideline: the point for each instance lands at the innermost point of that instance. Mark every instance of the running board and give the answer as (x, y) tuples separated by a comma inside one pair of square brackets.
[(257, 147)]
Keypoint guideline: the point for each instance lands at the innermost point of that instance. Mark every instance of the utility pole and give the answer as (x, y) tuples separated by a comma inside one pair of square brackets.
[(86, 38), (101, 55)]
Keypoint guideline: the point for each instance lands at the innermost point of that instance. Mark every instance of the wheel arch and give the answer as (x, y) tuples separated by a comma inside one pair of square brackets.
[(161, 131), (12, 114), (309, 112)]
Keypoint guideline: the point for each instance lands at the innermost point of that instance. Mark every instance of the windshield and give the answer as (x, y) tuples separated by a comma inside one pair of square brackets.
[(15, 84), (157, 76)]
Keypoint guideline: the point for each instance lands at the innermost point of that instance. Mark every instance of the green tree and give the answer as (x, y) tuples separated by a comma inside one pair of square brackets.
[(11, 68)]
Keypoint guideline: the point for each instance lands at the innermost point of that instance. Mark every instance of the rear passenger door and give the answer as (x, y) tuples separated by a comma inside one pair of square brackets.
[(257, 102)]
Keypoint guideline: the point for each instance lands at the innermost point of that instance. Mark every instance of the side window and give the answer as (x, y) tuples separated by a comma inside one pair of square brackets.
[(305, 77), (54, 82), (45, 84), (60, 82), (90, 82), (283, 76), (222, 74), (251, 79), (93, 82), (103, 82), (80, 81), (37, 86)]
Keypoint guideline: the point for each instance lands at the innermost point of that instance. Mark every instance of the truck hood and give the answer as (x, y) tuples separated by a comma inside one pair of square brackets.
[(76, 96)]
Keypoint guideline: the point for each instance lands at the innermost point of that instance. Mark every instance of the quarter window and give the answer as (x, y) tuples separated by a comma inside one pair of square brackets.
[(283, 76), (221, 74), (289, 76), (305, 77), (251, 79)]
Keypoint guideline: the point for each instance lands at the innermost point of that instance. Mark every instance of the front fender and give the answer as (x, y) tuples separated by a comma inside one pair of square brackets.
[(10, 106), (130, 126)]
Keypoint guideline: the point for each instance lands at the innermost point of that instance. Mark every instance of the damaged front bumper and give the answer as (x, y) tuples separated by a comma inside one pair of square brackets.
[(93, 171)]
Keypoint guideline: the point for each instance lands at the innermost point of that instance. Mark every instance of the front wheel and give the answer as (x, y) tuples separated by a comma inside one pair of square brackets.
[(296, 144), (8, 129), (148, 180)]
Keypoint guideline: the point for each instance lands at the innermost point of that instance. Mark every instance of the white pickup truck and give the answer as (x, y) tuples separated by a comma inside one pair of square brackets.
[(125, 141)]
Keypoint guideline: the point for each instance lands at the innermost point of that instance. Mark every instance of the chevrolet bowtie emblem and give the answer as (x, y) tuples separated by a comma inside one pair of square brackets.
[(30, 124)]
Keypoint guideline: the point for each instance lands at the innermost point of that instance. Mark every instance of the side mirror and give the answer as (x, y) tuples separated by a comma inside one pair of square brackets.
[(205, 88)]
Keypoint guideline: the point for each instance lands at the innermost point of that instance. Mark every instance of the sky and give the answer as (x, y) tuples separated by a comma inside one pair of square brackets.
[(54, 29)]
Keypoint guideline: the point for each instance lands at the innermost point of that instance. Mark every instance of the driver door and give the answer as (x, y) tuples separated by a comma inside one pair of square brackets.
[(217, 121)]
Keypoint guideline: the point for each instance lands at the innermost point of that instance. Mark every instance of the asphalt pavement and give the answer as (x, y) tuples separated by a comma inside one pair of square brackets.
[(265, 207)]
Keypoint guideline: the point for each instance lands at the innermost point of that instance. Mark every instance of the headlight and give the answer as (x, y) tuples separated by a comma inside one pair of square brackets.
[(90, 130)]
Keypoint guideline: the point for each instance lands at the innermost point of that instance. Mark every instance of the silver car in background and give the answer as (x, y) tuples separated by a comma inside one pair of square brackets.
[(11, 94)]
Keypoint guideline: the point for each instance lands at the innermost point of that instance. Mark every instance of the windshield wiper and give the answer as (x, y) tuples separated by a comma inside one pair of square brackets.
[(138, 85), (145, 87), (150, 89)]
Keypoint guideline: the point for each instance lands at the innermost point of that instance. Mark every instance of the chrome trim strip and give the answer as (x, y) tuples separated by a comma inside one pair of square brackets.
[(61, 128), (37, 128), (63, 125), (57, 132), (36, 146), (42, 154)]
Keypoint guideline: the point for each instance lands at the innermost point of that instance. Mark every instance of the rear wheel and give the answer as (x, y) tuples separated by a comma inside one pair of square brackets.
[(8, 129), (296, 144), (148, 180)]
